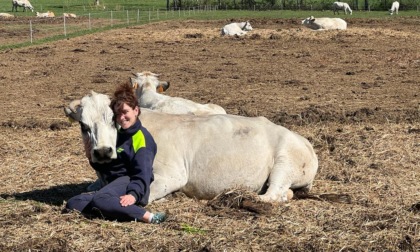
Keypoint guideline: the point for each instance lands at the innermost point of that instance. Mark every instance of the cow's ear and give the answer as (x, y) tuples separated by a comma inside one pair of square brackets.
[(163, 86), (73, 116), (73, 111)]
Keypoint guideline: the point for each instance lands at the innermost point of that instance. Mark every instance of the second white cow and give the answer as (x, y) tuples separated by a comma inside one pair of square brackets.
[(25, 4), (204, 155), (45, 14), (238, 29), (324, 23), (146, 85), (6, 15), (341, 6), (394, 8)]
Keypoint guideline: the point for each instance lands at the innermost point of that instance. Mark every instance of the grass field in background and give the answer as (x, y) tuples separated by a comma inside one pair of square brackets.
[(83, 7), (120, 13)]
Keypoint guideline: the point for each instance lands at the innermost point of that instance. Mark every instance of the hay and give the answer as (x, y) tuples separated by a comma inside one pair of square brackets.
[(240, 198)]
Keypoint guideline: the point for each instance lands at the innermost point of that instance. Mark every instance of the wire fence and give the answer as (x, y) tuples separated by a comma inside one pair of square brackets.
[(20, 30)]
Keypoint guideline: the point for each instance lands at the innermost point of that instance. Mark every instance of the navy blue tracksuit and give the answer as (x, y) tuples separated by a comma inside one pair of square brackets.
[(131, 173)]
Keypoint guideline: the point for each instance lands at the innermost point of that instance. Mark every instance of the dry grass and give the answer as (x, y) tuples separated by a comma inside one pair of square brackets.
[(359, 111)]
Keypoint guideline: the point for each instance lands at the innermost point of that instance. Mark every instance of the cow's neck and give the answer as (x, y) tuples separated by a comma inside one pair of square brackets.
[(149, 98)]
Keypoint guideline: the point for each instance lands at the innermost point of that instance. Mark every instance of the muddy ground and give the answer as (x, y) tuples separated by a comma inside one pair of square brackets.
[(354, 94)]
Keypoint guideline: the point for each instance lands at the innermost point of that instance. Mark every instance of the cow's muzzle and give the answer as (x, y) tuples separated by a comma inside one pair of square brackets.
[(103, 155)]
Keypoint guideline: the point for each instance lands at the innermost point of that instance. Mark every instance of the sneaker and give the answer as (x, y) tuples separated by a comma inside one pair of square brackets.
[(158, 218)]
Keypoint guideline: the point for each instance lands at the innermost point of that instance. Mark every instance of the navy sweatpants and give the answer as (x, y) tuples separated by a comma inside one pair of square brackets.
[(107, 201)]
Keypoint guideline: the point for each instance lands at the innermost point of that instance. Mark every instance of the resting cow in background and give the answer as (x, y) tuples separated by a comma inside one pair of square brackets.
[(324, 23), (69, 15), (204, 155), (25, 4), (6, 15), (238, 29), (45, 14), (341, 6), (146, 85)]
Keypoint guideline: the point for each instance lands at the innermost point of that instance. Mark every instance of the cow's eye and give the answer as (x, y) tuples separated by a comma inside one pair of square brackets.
[(84, 127)]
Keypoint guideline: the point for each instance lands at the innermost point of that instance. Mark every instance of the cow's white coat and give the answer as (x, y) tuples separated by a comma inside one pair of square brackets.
[(6, 15), (341, 6), (146, 83), (324, 23), (238, 29), (45, 14), (25, 4), (394, 8), (204, 155)]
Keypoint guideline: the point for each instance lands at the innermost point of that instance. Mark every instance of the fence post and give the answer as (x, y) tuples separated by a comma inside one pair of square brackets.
[(65, 32), (128, 20), (30, 30), (138, 15), (90, 27), (157, 13), (149, 15), (112, 19)]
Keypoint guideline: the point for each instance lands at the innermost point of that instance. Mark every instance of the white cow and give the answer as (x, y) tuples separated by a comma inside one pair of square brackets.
[(25, 4), (45, 14), (204, 155), (69, 15), (146, 85), (394, 8), (6, 15), (341, 6), (238, 29), (324, 23)]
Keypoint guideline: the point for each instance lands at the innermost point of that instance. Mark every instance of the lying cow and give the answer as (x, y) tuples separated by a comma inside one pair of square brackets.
[(25, 4), (324, 23), (204, 155), (146, 85), (238, 29), (6, 15), (341, 6), (45, 14), (69, 15), (394, 8)]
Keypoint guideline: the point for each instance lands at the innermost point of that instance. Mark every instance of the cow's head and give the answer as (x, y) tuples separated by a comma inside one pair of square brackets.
[(97, 125), (308, 21), (148, 81), (247, 26)]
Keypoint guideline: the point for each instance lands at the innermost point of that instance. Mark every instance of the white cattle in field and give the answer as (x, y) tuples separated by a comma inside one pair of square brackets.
[(25, 4), (324, 23), (394, 8), (238, 29), (6, 15), (69, 15), (146, 85), (341, 6), (45, 14), (204, 155)]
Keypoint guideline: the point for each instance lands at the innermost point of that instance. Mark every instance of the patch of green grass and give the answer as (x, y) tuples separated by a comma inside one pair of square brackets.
[(192, 230)]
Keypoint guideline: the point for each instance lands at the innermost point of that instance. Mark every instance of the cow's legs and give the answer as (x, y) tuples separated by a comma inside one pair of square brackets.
[(279, 183), (164, 185)]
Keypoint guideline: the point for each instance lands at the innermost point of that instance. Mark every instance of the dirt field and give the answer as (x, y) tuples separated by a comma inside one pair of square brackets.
[(354, 94)]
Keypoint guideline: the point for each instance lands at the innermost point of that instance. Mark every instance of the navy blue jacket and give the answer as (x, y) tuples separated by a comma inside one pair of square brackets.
[(136, 150)]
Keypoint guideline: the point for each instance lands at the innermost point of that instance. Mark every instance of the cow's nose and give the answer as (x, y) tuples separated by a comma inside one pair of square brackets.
[(103, 153)]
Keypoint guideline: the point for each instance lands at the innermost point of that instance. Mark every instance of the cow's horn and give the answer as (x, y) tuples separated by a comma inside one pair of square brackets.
[(73, 105)]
